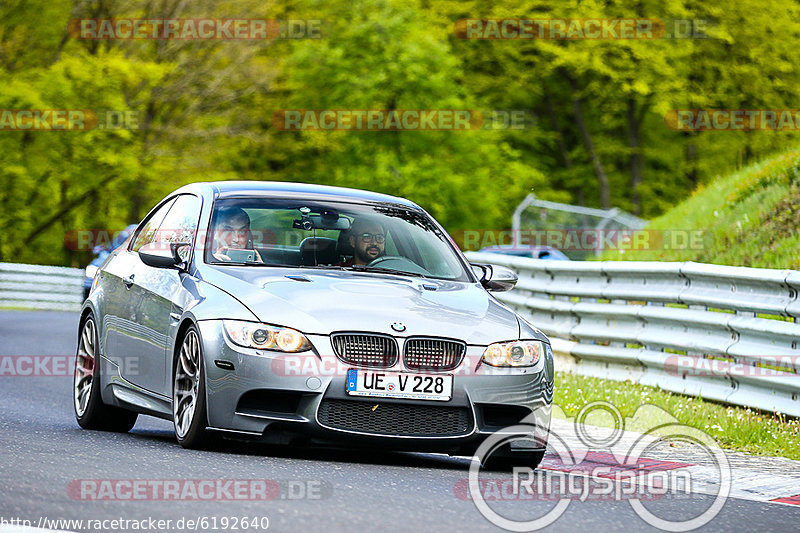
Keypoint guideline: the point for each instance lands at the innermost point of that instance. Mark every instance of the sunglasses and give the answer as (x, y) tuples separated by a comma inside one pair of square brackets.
[(369, 237)]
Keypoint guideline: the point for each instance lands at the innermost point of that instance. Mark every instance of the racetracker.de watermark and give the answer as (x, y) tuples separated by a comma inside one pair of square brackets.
[(203, 29), (400, 119), (311, 364), (759, 366), (584, 239), (84, 240), (580, 29), (522, 240), (194, 523), (733, 119), (198, 489), (46, 366), (67, 120)]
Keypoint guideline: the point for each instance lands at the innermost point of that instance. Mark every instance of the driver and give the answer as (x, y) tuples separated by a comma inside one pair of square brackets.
[(368, 239), (233, 233)]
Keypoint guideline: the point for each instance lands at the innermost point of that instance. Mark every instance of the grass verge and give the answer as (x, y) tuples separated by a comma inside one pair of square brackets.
[(734, 428), (747, 218)]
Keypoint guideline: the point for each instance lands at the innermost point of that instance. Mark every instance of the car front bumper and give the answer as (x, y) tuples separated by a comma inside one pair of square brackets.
[(280, 397)]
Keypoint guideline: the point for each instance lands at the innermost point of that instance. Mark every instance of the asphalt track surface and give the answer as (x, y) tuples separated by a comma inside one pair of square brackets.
[(43, 454)]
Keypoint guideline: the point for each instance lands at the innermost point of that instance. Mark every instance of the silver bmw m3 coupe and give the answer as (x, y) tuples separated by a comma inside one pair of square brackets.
[(296, 313)]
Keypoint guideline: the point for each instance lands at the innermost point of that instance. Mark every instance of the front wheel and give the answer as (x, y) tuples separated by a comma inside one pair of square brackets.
[(90, 411), (189, 415)]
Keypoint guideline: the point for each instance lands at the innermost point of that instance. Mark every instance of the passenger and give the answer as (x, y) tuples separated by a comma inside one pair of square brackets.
[(233, 233)]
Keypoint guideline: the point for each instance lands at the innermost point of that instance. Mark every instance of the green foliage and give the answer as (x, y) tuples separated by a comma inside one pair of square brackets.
[(204, 111), (749, 218), (43, 172), (390, 58)]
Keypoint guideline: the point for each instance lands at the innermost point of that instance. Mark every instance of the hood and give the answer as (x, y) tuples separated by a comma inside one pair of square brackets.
[(324, 301)]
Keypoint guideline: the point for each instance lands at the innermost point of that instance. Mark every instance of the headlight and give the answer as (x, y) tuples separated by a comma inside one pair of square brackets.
[(265, 337), (515, 353), (90, 271)]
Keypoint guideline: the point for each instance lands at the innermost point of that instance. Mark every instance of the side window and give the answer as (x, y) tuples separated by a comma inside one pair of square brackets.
[(147, 232), (180, 224)]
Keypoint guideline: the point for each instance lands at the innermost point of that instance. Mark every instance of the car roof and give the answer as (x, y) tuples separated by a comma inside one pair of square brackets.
[(224, 189)]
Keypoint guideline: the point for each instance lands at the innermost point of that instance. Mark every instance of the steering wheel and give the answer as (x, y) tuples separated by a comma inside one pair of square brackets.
[(396, 262)]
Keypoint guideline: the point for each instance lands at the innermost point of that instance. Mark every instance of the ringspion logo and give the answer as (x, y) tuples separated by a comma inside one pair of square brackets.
[(596, 483), (605, 466)]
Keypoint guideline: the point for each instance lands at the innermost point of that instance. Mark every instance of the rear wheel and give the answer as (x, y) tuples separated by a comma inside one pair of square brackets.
[(189, 415), (90, 411)]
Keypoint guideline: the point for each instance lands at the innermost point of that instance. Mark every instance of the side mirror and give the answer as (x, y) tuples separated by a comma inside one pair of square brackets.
[(165, 255), (495, 278)]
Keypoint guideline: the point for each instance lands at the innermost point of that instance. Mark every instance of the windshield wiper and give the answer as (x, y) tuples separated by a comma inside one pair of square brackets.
[(251, 263), (380, 269), (354, 268), (276, 265), (237, 263)]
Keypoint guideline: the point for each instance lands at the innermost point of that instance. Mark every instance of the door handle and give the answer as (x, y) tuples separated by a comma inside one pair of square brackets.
[(128, 281)]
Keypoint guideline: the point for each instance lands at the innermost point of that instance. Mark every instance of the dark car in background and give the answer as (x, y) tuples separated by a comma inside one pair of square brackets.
[(534, 252), (101, 253)]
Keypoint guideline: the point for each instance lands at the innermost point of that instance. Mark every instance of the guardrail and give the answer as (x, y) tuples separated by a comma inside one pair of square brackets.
[(728, 334), (41, 287)]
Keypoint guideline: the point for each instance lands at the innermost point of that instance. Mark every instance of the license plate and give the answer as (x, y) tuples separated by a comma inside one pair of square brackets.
[(399, 385)]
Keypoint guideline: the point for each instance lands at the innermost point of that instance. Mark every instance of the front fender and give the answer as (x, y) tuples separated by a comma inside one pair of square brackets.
[(203, 301)]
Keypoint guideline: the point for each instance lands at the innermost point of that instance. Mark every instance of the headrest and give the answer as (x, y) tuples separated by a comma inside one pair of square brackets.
[(344, 246), (318, 251)]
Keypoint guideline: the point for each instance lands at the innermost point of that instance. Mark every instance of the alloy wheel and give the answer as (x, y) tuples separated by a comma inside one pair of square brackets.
[(187, 384)]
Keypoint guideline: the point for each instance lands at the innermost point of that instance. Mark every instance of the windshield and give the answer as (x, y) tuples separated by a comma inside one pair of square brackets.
[(330, 235)]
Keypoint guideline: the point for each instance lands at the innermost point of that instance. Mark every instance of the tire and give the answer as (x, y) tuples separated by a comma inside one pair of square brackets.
[(189, 413), (87, 403), (504, 460)]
